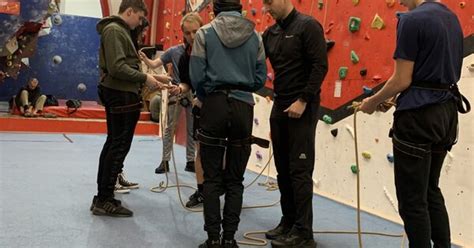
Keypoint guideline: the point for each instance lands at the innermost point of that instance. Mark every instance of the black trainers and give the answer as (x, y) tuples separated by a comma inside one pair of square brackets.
[(190, 167), (195, 200), (295, 239), (211, 244), (278, 232), (229, 244), (164, 166), (111, 207), (122, 180), (94, 200)]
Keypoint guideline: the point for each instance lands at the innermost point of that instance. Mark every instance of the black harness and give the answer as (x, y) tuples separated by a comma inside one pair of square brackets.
[(462, 103), (213, 141)]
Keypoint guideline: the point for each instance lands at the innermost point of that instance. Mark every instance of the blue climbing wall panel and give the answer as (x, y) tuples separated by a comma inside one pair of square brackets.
[(76, 41)]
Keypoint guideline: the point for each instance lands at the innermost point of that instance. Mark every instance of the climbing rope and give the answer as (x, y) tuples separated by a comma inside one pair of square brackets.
[(164, 185)]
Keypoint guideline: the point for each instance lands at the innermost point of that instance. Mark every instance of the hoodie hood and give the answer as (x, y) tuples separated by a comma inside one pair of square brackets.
[(232, 29), (107, 20)]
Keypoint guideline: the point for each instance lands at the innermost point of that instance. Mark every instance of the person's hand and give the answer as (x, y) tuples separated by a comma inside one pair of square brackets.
[(175, 90), (296, 109), (2, 76), (197, 102), (152, 82), (144, 58), (165, 79), (367, 106)]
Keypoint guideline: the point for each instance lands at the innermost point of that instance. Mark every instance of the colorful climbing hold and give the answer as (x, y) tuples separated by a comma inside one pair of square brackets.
[(253, 11), (367, 90), (354, 57), (343, 72), (244, 13), (366, 155), (354, 24), (330, 44), (320, 4), (167, 25), (355, 2), (377, 22), (390, 158), (462, 5), (255, 120), (363, 72), (327, 119), (390, 3), (334, 132), (354, 169), (377, 78), (367, 36), (259, 155)]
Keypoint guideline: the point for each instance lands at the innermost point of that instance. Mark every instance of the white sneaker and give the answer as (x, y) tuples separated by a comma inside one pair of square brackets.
[(119, 189), (124, 183)]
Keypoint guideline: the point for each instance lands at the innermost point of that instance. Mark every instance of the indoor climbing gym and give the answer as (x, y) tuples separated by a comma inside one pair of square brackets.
[(236, 123)]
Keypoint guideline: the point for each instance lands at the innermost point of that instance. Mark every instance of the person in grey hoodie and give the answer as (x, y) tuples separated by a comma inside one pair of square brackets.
[(227, 64)]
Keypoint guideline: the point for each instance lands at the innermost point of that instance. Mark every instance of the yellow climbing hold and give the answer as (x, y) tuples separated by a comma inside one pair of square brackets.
[(377, 22), (355, 2), (366, 155)]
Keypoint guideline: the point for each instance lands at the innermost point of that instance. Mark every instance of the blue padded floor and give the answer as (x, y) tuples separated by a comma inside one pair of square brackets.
[(48, 180)]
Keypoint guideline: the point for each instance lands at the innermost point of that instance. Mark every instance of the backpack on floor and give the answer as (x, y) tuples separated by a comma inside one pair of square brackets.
[(73, 104)]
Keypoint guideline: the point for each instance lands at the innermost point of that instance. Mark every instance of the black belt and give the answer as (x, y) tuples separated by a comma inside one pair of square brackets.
[(225, 143), (228, 88), (126, 108), (453, 88)]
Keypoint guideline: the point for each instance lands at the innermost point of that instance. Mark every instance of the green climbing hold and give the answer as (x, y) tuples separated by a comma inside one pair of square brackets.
[(343, 72), (327, 119), (354, 57), (354, 169), (354, 24)]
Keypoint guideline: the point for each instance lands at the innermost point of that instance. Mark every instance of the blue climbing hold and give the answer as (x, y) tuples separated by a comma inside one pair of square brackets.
[(367, 90), (390, 158)]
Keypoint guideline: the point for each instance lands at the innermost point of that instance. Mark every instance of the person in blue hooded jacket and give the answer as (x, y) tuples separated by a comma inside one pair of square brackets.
[(227, 64)]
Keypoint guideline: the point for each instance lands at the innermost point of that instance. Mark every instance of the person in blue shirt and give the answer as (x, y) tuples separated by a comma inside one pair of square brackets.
[(428, 59), (227, 63), (189, 25)]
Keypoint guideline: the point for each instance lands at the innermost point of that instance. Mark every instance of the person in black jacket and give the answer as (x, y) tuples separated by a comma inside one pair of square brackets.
[(29, 99), (296, 48)]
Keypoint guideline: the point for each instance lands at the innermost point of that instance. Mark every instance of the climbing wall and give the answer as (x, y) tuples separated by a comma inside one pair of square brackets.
[(335, 155), (363, 33), (65, 61), (334, 175), (360, 62)]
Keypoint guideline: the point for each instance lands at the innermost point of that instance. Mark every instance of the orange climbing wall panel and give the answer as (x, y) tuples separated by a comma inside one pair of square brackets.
[(374, 47)]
